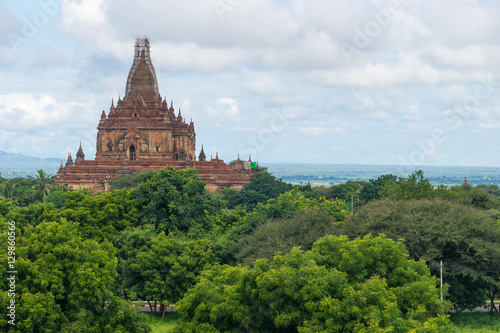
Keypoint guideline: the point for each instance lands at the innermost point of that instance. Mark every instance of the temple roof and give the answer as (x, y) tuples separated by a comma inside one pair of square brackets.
[(142, 84)]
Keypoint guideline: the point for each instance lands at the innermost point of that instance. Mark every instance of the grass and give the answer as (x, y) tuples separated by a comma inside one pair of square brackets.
[(159, 326), (475, 322), (464, 322)]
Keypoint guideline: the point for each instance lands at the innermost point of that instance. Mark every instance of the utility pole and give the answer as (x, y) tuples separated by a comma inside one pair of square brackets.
[(352, 204), (441, 288)]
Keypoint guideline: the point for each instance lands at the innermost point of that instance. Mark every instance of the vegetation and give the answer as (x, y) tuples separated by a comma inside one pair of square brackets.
[(474, 322), (370, 285), (271, 257), (463, 237)]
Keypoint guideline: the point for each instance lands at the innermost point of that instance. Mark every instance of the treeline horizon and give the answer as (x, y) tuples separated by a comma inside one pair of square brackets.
[(271, 257)]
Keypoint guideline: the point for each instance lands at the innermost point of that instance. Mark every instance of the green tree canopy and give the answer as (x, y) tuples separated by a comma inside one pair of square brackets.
[(319, 291), (102, 215), (465, 238), (174, 200), (281, 235), (261, 188), (43, 183), (63, 283), (165, 267)]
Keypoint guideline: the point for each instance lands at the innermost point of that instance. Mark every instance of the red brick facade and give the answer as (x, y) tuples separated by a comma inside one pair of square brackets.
[(143, 133)]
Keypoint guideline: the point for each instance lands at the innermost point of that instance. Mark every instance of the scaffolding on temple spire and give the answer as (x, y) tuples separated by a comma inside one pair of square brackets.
[(142, 52)]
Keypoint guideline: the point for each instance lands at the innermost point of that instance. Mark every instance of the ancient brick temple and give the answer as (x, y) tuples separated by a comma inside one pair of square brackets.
[(143, 133)]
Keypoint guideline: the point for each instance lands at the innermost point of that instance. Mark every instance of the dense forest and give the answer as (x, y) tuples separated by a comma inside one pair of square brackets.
[(360, 256)]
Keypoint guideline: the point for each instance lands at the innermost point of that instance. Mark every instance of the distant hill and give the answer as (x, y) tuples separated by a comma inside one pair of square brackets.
[(18, 165)]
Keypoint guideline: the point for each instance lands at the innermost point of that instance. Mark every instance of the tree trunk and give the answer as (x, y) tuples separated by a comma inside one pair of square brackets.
[(163, 307), (150, 307), (493, 294)]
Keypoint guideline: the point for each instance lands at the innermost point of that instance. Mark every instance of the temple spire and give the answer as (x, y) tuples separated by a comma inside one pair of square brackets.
[(80, 156), (69, 162), (202, 156), (142, 76)]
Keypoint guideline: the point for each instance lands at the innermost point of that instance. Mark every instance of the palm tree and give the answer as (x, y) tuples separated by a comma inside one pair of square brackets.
[(8, 190), (43, 181)]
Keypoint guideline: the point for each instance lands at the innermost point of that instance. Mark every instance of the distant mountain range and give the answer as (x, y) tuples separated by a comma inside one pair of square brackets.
[(19, 165)]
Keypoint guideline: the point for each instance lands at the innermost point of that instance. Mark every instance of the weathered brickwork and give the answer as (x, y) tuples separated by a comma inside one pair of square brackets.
[(142, 133)]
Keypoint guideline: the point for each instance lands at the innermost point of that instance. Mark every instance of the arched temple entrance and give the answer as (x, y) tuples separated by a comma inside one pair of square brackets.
[(132, 153)]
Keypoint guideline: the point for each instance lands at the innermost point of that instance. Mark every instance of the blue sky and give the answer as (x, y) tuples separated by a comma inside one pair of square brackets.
[(320, 81)]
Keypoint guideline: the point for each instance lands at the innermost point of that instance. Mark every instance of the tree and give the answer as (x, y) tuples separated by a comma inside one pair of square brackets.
[(344, 191), (166, 270), (416, 186), (174, 200), (100, 216), (125, 182), (8, 190), (261, 188), (129, 243), (373, 189), (43, 182), (26, 192), (63, 283), (281, 235), (317, 291), (465, 238), (491, 189), (290, 203)]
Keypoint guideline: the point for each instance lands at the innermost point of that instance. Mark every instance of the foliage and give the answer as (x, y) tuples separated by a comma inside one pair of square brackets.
[(281, 235), (33, 215), (491, 189), (297, 293), (290, 203), (57, 198), (8, 190), (63, 283), (469, 195), (476, 322), (26, 193), (465, 238), (102, 215), (43, 183), (57, 195), (125, 182), (261, 188), (129, 243), (159, 325), (344, 191), (225, 220), (374, 189), (174, 200), (416, 186), (168, 268)]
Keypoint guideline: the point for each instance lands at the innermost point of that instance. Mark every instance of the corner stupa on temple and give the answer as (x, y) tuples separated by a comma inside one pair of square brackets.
[(142, 133)]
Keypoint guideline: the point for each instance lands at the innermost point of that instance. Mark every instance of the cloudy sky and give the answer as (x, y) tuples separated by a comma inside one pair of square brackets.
[(322, 81)]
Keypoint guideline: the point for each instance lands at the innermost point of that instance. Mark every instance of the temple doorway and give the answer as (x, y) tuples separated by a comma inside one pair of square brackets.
[(132, 153)]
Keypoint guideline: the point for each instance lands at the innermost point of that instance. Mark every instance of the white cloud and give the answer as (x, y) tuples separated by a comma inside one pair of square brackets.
[(313, 131), (263, 83), (383, 117), (264, 57)]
